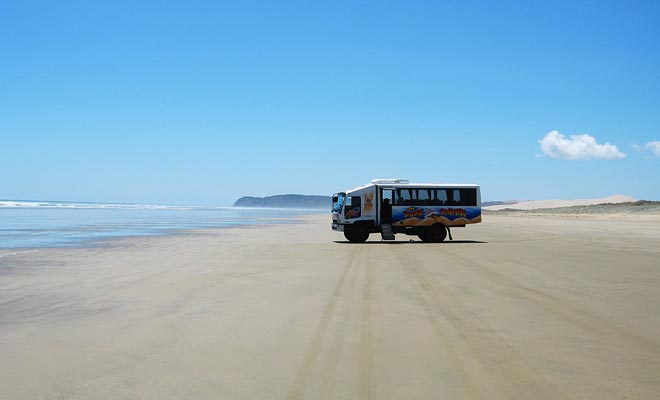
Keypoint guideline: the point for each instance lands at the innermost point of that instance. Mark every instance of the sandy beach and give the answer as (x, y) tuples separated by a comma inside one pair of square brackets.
[(517, 307)]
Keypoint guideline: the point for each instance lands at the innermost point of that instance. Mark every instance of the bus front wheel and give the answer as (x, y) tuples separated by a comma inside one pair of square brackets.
[(358, 233)]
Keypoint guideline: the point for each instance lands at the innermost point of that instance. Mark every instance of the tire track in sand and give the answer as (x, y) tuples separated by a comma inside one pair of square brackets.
[(328, 377), (588, 322), (366, 331), (423, 296), (345, 282), (512, 374)]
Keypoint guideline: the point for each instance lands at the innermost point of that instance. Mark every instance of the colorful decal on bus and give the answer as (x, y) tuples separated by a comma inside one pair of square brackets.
[(426, 216), (368, 202)]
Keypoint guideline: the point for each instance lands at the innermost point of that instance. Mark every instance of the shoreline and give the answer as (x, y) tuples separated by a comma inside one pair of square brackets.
[(122, 240), (136, 240), (141, 231)]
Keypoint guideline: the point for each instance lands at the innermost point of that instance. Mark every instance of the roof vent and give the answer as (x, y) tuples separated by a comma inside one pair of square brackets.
[(395, 180)]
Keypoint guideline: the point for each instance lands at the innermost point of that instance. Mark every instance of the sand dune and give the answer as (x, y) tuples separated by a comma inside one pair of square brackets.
[(539, 204)]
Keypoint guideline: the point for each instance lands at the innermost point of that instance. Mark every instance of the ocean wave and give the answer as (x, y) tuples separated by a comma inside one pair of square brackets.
[(82, 205)]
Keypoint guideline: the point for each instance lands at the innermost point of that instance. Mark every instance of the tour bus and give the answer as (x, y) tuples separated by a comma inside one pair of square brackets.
[(391, 206)]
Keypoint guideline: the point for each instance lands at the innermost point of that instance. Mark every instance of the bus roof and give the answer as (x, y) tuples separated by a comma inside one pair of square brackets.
[(415, 185)]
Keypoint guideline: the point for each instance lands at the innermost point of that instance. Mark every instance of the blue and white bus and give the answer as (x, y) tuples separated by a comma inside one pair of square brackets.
[(391, 206)]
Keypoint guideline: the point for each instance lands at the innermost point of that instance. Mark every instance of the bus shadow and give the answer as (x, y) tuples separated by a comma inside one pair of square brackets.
[(389, 242)]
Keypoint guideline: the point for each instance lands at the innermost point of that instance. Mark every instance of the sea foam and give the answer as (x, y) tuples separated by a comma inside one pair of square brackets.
[(86, 205)]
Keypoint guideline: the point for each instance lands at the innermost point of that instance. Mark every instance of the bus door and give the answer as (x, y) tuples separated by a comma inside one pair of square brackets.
[(386, 198)]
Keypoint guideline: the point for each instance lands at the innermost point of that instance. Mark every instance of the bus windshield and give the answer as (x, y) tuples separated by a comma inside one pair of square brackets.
[(338, 201)]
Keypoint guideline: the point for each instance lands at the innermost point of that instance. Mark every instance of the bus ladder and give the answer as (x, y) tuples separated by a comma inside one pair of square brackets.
[(386, 232)]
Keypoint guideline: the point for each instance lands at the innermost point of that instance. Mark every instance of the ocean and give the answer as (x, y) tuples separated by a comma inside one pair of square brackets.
[(31, 224)]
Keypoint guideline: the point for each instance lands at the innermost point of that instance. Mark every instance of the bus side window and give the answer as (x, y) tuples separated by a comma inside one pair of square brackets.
[(451, 201), (353, 207), (434, 197), (469, 197), (398, 200), (423, 197), (439, 197), (457, 197), (403, 197), (407, 197)]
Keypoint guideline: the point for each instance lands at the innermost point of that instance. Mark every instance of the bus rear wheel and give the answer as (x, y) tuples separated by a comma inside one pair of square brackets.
[(436, 233), (357, 234), (424, 235)]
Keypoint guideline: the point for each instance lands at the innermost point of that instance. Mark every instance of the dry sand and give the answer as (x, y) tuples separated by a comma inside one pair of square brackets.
[(515, 308), (557, 203)]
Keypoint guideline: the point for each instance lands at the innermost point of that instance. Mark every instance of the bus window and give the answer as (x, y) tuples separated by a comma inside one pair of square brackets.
[(423, 197), (403, 197), (453, 197), (338, 202), (353, 207), (468, 197), (439, 197)]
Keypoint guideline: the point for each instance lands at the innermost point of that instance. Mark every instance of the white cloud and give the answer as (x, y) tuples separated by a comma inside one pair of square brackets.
[(653, 147), (577, 147)]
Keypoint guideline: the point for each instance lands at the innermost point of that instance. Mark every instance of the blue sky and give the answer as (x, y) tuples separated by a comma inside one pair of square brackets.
[(202, 102)]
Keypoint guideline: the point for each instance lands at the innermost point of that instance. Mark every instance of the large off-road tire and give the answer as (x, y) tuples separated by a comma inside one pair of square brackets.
[(424, 235), (437, 233), (358, 233)]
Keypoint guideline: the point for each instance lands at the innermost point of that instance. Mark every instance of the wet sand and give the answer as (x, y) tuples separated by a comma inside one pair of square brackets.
[(518, 307)]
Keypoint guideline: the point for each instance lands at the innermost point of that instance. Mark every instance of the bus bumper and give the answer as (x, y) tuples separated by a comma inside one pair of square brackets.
[(337, 227)]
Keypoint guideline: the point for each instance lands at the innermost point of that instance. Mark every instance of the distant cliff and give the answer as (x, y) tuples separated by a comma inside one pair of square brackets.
[(286, 201)]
